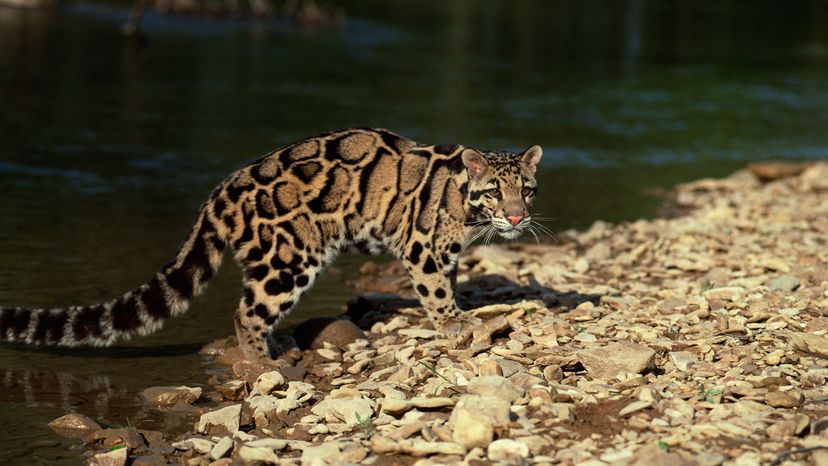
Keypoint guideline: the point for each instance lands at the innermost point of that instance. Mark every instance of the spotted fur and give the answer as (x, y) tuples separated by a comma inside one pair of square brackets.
[(289, 214)]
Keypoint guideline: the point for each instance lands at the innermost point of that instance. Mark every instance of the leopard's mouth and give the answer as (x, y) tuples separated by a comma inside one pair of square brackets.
[(511, 233), (507, 230)]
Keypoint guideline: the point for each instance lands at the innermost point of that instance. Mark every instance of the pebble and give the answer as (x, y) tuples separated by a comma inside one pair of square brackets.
[(506, 450)]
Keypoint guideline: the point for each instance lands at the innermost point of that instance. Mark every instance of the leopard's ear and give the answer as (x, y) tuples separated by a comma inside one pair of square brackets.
[(474, 161), (531, 157)]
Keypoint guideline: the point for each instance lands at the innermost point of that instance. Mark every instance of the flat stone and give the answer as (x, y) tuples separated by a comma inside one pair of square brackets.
[(74, 425), (615, 358), (271, 443), (170, 396), (725, 293), (116, 457), (254, 454), (199, 445), (322, 452), (789, 399), (634, 407), (506, 450), (683, 359), (220, 421), (783, 283), (221, 449), (419, 447), (128, 436), (233, 390), (418, 333), (497, 386), (809, 343), (349, 411)]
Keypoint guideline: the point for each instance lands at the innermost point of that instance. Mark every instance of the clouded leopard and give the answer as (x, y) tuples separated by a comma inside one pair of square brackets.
[(287, 215)]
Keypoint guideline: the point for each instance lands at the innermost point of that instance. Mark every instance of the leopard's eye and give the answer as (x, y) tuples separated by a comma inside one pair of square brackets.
[(493, 193), (527, 192)]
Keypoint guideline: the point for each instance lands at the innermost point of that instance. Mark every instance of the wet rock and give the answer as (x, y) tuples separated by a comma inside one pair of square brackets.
[(496, 386), (128, 436), (783, 283), (615, 359), (220, 421), (314, 333), (116, 457), (507, 450), (74, 425), (170, 396)]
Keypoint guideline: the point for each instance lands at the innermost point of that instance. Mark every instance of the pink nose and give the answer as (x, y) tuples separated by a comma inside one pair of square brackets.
[(514, 219)]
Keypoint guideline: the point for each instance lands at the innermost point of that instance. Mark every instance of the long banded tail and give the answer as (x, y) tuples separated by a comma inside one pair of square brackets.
[(140, 311)]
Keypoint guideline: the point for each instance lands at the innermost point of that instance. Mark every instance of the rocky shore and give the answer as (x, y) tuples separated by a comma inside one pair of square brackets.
[(695, 340)]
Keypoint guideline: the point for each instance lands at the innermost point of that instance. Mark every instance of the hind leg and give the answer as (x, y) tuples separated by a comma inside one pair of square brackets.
[(265, 304)]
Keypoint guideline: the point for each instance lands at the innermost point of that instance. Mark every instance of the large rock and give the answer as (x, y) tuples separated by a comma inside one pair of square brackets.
[(314, 333), (170, 396), (497, 386), (475, 417), (220, 421), (74, 425), (615, 358)]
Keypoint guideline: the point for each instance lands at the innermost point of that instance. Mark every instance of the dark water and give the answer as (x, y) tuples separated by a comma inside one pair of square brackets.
[(107, 149)]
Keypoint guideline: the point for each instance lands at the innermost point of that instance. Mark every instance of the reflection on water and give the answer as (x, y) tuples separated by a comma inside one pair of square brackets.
[(108, 148)]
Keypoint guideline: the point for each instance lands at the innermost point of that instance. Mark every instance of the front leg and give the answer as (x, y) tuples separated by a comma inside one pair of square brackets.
[(434, 282)]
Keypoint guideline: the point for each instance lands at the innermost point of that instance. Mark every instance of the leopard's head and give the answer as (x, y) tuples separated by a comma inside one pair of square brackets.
[(501, 189)]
